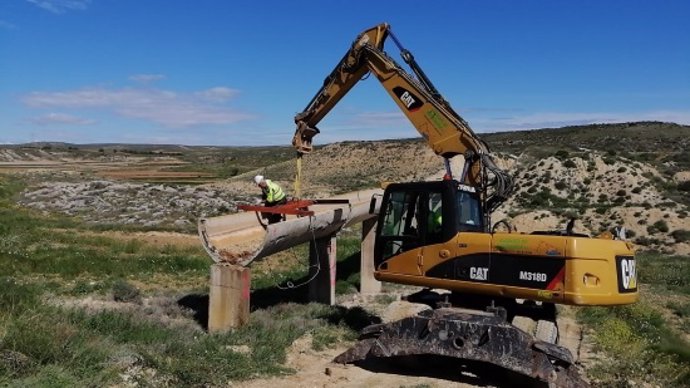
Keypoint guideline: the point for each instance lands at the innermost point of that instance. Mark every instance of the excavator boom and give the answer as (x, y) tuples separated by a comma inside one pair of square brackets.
[(446, 132)]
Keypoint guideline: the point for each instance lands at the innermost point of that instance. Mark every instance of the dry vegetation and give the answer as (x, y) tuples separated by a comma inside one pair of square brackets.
[(100, 288)]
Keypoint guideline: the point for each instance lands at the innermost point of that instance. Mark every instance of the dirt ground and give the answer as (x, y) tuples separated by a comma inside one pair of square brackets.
[(315, 368)]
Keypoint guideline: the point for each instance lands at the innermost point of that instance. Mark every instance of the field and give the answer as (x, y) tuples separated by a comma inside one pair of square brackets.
[(104, 282)]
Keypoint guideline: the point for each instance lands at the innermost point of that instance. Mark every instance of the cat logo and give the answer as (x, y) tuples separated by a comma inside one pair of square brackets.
[(407, 98), (479, 273), (628, 274)]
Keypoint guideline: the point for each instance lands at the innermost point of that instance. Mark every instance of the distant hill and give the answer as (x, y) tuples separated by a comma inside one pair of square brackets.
[(643, 136), (646, 136)]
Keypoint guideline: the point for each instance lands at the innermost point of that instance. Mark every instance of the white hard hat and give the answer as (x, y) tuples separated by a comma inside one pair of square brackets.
[(258, 179)]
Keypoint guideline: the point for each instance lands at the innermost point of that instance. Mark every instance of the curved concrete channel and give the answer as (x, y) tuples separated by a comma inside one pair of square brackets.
[(239, 239)]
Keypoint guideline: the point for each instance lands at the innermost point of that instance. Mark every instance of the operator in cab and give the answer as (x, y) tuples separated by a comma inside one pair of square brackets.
[(272, 194)]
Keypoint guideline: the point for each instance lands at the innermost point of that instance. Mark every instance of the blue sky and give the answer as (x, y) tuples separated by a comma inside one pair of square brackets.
[(235, 72)]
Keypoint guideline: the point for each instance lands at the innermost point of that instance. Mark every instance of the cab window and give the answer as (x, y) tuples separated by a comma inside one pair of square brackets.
[(400, 230), (469, 212)]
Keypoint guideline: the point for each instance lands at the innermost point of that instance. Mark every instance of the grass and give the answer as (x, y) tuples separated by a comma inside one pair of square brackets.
[(32, 243), (44, 342), (641, 345), (94, 348), (669, 273), (80, 347)]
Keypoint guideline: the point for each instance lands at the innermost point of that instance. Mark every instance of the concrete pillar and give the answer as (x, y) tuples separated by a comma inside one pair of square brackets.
[(322, 258), (368, 285), (228, 297)]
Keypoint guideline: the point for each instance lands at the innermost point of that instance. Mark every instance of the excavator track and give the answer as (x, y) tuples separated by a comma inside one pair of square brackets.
[(475, 336)]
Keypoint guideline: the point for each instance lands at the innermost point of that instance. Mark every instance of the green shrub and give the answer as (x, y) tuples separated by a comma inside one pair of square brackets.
[(569, 164), (125, 292), (684, 186), (644, 241), (562, 154), (662, 226), (681, 235)]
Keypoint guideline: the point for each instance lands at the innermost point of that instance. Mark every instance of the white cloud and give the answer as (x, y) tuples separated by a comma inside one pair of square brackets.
[(60, 118), (164, 107), (146, 78), (218, 94), (60, 6)]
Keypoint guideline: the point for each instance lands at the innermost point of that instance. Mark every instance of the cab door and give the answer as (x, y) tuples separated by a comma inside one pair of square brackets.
[(463, 254), (400, 239), (473, 244)]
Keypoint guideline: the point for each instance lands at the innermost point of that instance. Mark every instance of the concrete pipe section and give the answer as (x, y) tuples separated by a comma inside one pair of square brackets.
[(239, 239)]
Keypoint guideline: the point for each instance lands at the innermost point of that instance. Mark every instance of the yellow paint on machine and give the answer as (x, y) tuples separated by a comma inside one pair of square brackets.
[(591, 277)]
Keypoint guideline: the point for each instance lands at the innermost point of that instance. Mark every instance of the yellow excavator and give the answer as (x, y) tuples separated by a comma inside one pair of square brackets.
[(439, 235)]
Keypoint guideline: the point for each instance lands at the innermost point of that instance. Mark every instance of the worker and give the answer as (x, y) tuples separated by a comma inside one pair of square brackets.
[(272, 195), (435, 221)]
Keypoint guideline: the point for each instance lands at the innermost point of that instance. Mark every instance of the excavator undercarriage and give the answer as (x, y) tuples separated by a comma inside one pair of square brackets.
[(462, 334)]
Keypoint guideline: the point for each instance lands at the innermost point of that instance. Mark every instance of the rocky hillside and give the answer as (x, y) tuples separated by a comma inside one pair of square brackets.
[(601, 193), (635, 175), (176, 207)]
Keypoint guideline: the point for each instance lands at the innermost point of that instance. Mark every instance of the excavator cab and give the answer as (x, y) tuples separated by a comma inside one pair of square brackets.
[(419, 214)]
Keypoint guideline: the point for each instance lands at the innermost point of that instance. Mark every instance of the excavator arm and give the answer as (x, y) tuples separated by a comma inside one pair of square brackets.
[(445, 131)]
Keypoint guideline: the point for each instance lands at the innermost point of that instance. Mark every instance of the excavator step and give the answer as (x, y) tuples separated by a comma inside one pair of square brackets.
[(455, 333)]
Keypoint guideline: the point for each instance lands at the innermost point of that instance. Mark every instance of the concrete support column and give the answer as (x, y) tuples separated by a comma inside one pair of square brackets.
[(228, 297), (322, 258), (368, 284)]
